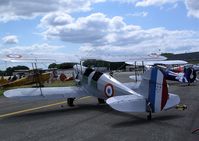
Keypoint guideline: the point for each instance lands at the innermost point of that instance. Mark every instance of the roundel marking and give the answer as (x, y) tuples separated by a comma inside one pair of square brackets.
[(14, 56), (108, 90)]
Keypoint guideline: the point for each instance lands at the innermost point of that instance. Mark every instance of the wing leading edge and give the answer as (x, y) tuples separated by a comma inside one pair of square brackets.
[(46, 93)]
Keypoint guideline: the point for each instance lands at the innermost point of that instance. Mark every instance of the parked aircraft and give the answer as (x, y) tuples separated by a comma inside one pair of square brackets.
[(35, 78), (188, 75), (185, 74), (151, 96)]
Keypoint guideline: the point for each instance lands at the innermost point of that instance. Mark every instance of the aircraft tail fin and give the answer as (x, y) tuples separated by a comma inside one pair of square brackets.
[(154, 88)]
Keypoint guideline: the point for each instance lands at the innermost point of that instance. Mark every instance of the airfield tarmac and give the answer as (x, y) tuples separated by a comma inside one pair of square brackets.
[(89, 121)]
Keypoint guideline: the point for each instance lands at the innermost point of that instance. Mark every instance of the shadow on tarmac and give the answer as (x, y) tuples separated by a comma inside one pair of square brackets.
[(136, 120), (59, 111)]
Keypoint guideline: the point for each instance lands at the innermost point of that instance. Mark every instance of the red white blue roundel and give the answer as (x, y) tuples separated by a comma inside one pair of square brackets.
[(14, 56), (108, 90)]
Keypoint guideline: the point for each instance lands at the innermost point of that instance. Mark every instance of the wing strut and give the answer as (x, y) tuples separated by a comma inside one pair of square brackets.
[(37, 79)]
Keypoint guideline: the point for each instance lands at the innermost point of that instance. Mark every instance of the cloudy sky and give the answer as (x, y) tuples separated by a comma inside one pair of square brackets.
[(99, 26)]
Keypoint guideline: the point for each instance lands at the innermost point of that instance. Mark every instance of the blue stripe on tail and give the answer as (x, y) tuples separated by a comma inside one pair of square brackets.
[(152, 88)]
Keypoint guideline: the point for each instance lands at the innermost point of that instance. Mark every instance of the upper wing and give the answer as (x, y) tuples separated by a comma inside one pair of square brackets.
[(133, 58), (39, 58), (60, 58), (46, 93), (166, 62)]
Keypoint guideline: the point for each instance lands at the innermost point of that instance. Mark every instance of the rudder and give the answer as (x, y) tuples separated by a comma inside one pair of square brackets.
[(154, 88)]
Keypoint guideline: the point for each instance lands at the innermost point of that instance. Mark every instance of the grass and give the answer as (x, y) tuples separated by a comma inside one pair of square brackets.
[(1, 92), (53, 84), (61, 84)]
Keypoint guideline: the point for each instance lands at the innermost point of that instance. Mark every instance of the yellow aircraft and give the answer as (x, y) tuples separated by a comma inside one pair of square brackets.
[(36, 78)]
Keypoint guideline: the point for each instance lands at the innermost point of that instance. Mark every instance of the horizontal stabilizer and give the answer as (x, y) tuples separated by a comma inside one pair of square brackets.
[(127, 103), (172, 101)]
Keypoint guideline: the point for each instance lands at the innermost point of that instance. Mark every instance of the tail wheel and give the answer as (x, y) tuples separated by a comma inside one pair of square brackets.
[(149, 117), (149, 110), (101, 101), (70, 102)]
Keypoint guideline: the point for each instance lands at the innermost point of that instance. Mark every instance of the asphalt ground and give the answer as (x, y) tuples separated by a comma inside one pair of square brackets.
[(89, 121)]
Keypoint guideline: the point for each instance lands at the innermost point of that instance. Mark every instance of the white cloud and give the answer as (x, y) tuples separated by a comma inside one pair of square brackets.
[(10, 39), (36, 48), (166, 41), (56, 19), (138, 14), (98, 33), (27, 9), (145, 3), (192, 7), (85, 29)]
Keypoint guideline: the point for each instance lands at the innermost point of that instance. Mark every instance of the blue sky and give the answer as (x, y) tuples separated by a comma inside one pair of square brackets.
[(99, 26)]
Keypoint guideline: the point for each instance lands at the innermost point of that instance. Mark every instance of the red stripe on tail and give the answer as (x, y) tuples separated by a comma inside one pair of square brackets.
[(165, 94)]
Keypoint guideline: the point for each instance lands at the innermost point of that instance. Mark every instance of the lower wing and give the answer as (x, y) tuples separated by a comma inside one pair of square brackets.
[(46, 93)]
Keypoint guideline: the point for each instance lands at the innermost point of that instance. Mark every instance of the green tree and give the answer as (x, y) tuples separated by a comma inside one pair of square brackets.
[(9, 71), (61, 66)]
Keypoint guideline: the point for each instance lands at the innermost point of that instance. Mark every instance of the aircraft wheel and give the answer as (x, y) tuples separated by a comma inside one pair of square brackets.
[(101, 101), (149, 116), (70, 102)]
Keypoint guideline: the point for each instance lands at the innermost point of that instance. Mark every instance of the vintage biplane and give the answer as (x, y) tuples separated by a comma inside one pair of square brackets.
[(182, 73), (151, 96), (35, 78)]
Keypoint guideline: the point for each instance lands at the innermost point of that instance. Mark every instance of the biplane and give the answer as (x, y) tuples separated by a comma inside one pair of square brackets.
[(35, 78), (183, 73)]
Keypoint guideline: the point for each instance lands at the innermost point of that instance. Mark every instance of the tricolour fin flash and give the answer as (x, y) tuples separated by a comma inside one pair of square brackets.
[(157, 91), (154, 88)]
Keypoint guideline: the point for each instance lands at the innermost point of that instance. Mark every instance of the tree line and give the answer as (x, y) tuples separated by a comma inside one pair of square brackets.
[(9, 71), (89, 63)]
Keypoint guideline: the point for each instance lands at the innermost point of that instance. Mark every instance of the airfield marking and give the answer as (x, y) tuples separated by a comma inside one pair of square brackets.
[(36, 108)]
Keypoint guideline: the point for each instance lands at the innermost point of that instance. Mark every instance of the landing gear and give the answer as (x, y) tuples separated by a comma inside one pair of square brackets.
[(101, 101), (70, 102), (149, 110), (149, 116)]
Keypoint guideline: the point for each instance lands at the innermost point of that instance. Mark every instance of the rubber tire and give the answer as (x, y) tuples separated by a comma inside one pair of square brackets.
[(149, 117), (70, 102), (101, 101)]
